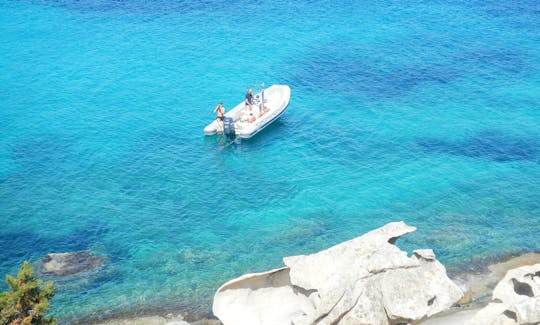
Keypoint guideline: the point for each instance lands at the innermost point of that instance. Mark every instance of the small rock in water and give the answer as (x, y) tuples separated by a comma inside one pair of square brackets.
[(467, 297), (62, 264)]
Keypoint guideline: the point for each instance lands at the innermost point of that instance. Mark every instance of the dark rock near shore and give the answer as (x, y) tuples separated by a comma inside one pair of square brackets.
[(62, 264)]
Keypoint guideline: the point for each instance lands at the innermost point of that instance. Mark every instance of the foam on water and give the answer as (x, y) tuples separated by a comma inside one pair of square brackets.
[(423, 112)]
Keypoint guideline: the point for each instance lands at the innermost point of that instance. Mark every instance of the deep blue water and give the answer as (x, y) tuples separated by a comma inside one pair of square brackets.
[(427, 112)]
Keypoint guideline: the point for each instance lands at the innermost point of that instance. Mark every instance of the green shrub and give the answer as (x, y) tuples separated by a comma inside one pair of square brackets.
[(27, 301)]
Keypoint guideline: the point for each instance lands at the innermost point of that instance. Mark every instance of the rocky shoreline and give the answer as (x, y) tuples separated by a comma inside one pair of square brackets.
[(168, 319), (455, 300), (480, 286), (369, 280)]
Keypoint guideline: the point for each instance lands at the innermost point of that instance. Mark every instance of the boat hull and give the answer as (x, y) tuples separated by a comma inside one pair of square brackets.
[(249, 135), (276, 101)]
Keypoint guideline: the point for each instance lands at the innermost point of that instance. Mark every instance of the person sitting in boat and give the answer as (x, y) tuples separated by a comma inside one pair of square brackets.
[(220, 113), (249, 99)]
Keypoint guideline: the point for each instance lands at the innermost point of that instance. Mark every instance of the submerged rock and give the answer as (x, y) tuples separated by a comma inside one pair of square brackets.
[(367, 280), (62, 264)]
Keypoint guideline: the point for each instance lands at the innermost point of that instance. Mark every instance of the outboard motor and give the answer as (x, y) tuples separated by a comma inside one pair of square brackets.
[(228, 127)]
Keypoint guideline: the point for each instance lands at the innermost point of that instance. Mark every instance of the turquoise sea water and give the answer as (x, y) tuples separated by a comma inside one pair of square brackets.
[(427, 112)]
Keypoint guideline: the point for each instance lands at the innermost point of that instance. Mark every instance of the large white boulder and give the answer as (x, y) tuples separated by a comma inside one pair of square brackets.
[(261, 298), (366, 280)]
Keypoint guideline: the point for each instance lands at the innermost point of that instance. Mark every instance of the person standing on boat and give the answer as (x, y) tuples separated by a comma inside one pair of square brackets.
[(249, 99), (220, 113)]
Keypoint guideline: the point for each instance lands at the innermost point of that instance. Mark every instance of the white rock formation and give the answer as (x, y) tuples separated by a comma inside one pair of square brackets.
[(493, 314), (516, 299), (367, 280)]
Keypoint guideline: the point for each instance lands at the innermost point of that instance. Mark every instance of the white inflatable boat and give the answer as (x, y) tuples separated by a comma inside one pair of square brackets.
[(245, 123)]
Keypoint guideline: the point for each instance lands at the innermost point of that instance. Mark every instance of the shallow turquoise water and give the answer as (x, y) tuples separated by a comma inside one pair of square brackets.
[(423, 112)]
